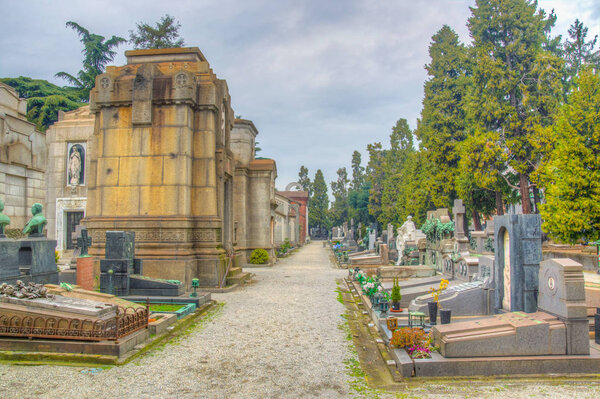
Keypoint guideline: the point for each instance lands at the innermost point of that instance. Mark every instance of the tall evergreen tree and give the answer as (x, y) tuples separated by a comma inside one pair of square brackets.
[(339, 189), (375, 175), (319, 204), (394, 172), (358, 172), (304, 180), (516, 82), (571, 177), (442, 125), (579, 52)]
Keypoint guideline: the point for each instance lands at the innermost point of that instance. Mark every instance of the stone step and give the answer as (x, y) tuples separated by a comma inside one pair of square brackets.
[(239, 278), (234, 271)]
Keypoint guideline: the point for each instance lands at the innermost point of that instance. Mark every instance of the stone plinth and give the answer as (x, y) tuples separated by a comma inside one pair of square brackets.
[(160, 163), (562, 294), (30, 259), (509, 334)]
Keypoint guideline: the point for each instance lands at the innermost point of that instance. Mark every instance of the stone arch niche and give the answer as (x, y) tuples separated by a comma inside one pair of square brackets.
[(518, 253)]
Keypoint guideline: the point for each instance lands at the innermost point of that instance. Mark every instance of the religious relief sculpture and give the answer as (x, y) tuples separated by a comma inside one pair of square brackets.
[(406, 232), (4, 220), (75, 165), (35, 226)]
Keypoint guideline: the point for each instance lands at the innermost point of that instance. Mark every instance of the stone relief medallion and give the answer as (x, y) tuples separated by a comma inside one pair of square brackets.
[(551, 279), (105, 82), (181, 79)]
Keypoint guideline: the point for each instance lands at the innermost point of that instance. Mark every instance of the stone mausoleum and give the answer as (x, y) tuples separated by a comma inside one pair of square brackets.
[(23, 159), (168, 161)]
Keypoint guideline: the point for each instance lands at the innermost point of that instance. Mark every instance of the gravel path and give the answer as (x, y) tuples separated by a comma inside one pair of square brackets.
[(276, 338)]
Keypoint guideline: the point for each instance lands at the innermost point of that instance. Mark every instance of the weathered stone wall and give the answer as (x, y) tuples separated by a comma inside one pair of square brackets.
[(160, 162), (23, 159)]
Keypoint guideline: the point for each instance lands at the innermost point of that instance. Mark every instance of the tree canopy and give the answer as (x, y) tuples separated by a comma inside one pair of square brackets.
[(164, 34), (97, 53)]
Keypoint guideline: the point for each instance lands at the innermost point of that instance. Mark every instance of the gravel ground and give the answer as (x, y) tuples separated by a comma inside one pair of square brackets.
[(276, 338)]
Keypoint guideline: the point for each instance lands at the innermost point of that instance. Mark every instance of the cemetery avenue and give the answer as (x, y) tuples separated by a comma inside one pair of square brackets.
[(275, 338)]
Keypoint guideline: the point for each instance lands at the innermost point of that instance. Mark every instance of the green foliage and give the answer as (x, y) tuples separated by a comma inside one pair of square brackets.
[(56, 256), (44, 99), (164, 35), (442, 125), (97, 53), (284, 248), (259, 257), (43, 111), (435, 230), (578, 52), (516, 83), (339, 209), (319, 203), (396, 295), (571, 175), (304, 181)]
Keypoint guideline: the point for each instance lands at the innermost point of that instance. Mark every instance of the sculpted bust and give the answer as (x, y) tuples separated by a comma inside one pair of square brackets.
[(36, 224), (4, 220)]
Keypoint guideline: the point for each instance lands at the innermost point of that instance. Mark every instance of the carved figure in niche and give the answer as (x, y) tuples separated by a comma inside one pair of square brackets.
[(76, 164), (35, 226), (4, 220), (406, 232)]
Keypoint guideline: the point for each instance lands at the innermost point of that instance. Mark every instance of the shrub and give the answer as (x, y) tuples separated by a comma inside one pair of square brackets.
[(259, 257), (410, 337), (396, 296)]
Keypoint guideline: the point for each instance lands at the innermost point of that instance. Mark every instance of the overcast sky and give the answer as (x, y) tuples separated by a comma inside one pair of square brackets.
[(319, 78)]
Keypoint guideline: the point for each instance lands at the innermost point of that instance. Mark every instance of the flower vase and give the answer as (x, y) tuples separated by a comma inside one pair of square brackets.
[(432, 306), (445, 315)]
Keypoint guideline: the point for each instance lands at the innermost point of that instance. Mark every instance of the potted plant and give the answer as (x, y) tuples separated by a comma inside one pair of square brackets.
[(433, 306), (396, 297)]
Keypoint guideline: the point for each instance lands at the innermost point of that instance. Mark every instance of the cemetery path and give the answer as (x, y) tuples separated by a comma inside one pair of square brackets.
[(276, 338)]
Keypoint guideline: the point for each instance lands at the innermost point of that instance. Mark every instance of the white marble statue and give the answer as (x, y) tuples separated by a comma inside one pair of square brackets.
[(406, 232), (74, 167)]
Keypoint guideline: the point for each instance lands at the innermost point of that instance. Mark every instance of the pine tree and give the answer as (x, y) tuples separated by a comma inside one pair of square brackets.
[(339, 189), (578, 52), (304, 180), (394, 172), (442, 125), (571, 177), (516, 82), (358, 171), (375, 175), (97, 52), (319, 203), (164, 35)]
